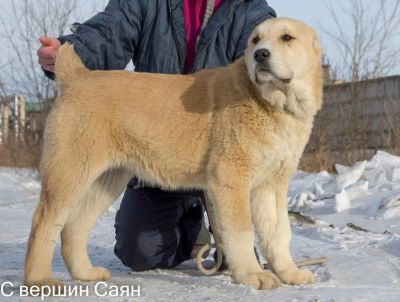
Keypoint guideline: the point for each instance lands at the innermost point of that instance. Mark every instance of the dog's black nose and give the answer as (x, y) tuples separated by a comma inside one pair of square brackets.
[(262, 55)]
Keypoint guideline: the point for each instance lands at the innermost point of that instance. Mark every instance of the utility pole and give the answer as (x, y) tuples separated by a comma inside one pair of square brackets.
[(1, 123), (5, 113)]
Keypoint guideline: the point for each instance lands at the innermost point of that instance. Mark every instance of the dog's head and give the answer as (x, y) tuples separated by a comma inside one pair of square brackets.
[(281, 54)]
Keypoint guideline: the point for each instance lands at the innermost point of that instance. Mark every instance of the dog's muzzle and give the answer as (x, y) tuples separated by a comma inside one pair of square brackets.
[(263, 68)]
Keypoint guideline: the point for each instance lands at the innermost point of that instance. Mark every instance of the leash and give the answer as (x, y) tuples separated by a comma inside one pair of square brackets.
[(205, 249)]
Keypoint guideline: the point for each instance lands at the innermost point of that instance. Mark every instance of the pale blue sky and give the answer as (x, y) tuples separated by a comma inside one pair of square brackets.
[(308, 11)]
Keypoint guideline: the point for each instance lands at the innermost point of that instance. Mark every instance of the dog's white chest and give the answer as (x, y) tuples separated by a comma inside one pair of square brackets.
[(283, 155)]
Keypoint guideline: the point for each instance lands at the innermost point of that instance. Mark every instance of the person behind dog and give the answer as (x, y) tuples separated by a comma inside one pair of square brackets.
[(156, 228)]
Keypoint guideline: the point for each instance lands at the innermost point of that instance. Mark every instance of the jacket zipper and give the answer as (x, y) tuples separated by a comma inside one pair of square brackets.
[(180, 55)]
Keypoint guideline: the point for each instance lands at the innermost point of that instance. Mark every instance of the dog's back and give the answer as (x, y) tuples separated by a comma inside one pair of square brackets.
[(145, 114)]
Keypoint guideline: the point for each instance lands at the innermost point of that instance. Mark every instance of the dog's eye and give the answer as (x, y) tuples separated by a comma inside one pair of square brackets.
[(256, 40), (287, 38)]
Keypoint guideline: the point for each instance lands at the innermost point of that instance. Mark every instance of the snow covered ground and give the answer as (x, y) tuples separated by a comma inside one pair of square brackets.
[(357, 227)]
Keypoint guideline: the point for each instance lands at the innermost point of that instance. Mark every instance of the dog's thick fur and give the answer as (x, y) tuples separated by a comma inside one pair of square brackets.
[(236, 132)]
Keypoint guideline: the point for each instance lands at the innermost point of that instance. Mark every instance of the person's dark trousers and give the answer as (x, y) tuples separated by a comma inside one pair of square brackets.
[(156, 228)]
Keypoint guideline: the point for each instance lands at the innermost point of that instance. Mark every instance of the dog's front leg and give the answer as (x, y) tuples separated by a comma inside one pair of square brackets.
[(230, 194), (270, 213)]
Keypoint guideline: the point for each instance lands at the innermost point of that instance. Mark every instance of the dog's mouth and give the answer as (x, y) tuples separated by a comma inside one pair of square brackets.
[(263, 72)]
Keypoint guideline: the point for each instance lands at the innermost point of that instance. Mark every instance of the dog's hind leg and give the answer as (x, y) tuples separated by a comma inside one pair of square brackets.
[(270, 215), (96, 200), (231, 203), (61, 188)]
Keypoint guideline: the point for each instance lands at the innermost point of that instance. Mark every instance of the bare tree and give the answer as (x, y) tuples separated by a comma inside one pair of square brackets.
[(22, 24), (366, 34)]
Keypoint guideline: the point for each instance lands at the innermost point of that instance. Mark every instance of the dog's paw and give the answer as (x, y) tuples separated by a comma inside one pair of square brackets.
[(259, 280), (93, 274), (49, 286), (296, 276)]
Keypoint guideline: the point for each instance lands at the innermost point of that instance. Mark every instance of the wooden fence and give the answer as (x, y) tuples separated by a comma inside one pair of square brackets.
[(356, 120)]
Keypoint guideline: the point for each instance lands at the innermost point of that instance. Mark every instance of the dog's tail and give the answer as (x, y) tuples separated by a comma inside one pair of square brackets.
[(68, 64)]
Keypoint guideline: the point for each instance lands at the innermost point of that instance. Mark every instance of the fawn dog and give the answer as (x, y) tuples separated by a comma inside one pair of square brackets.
[(236, 132)]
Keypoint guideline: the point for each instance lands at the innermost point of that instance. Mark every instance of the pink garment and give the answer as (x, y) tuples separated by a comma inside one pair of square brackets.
[(194, 15)]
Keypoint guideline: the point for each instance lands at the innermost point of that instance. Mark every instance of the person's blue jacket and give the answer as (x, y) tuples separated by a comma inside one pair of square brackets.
[(152, 34)]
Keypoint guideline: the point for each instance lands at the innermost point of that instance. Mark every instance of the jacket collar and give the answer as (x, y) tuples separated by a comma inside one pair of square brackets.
[(177, 13)]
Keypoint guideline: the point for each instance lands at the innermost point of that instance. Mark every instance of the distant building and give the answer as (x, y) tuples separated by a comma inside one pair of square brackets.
[(327, 76), (36, 113), (20, 118)]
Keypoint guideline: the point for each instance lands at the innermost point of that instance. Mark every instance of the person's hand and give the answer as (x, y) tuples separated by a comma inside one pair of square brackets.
[(47, 52)]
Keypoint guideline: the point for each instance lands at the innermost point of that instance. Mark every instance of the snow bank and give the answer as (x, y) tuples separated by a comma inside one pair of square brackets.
[(369, 187)]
